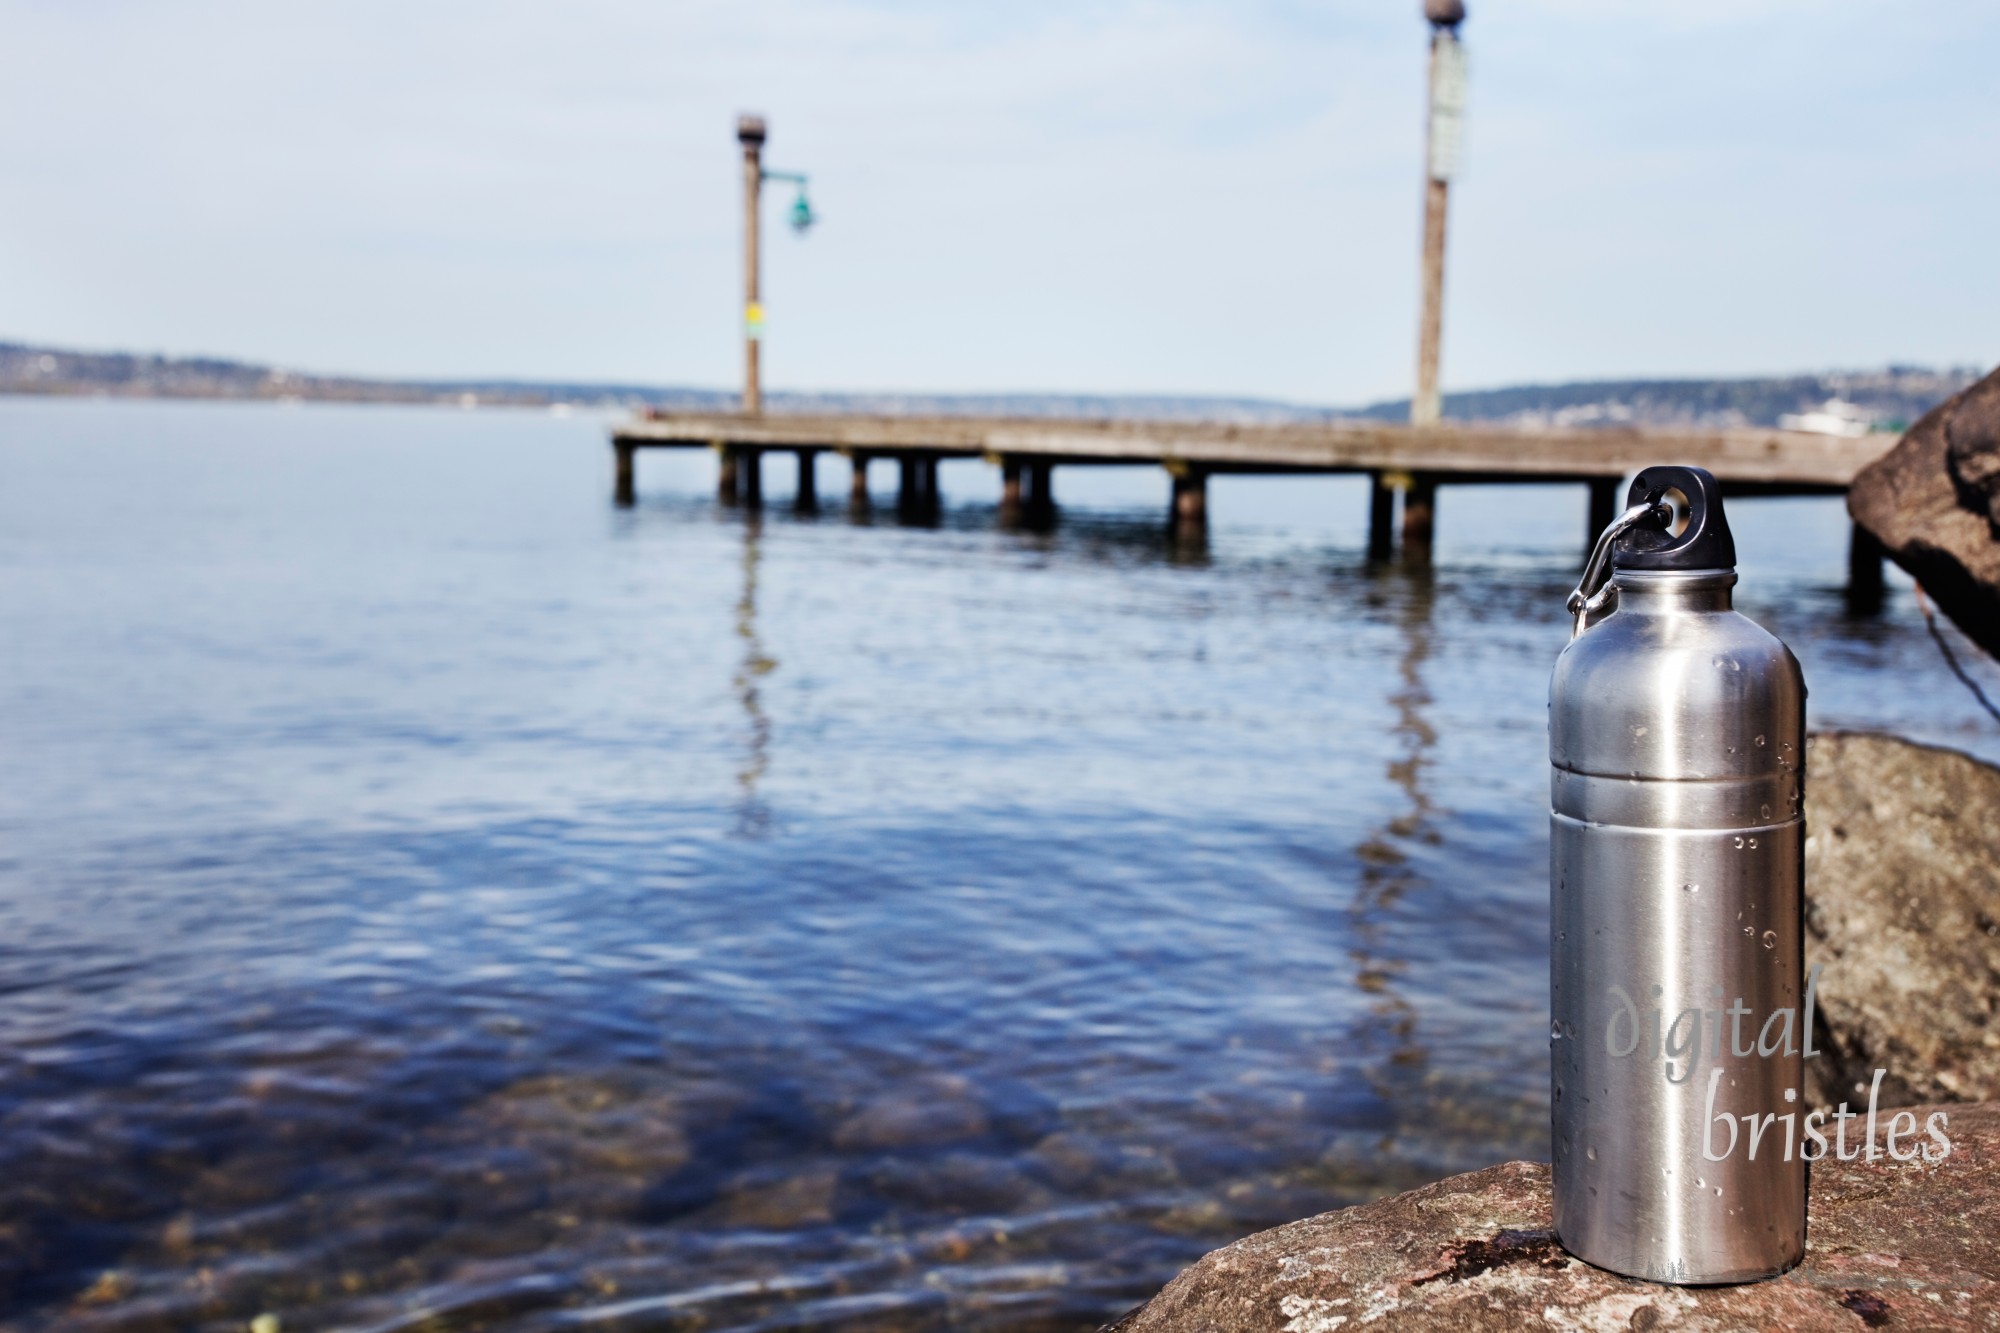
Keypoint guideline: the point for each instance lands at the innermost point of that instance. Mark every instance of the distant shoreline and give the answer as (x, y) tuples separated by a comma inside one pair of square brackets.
[(1891, 397)]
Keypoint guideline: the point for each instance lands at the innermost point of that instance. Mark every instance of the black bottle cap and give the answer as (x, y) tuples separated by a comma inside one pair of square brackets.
[(1704, 543)]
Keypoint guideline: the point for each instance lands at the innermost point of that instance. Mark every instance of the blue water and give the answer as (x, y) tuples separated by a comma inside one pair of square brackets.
[(430, 896)]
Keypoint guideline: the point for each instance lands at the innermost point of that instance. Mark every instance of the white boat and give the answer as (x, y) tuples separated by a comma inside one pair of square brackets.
[(1834, 417)]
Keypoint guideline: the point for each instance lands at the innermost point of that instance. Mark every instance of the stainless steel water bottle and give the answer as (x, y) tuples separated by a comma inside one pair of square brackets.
[(1676, 864)]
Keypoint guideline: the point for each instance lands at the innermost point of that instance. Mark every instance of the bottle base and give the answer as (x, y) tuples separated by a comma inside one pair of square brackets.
[(1677, 1272)]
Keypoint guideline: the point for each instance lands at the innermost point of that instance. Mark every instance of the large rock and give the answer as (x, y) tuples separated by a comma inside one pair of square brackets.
[(1891, 1245), (1903, 916), (1934, 503)]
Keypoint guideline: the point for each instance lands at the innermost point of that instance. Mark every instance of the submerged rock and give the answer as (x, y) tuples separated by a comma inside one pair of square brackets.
[(1891, 1245), (781, 1201), (1903, 916), (924, 1112), (1934, 503)]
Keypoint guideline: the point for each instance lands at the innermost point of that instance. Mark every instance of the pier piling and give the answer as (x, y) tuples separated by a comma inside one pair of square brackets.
[(857, 484), (1010, 491), (1381, 517), (1419, 517), (1189, 514), (1603, 509), (1865, 585), (752, 467), (625, 491), (917, 497), (727, 481), (1040, 502)]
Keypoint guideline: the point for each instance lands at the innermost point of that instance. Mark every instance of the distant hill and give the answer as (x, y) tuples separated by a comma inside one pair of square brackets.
[(52, 370), (1891, 398)]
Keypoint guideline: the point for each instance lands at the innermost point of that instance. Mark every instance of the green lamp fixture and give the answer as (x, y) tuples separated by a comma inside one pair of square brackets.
[(803, 216)]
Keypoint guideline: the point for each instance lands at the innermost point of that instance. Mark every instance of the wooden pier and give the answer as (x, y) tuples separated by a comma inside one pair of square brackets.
[(1406, 465)]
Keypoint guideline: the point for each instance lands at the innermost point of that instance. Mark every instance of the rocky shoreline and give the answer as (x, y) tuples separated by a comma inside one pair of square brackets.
[(1903, 917)]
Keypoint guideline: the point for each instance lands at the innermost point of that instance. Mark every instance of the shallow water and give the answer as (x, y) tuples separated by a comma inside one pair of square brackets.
[(431, 897)]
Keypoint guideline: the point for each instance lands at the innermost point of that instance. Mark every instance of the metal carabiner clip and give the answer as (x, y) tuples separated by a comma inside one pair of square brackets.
[(1595, 589)]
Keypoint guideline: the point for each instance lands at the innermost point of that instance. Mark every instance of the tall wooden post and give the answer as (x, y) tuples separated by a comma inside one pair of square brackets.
[(1443, 131), (1425, 407), (857, 484), (1010, 490), (750, 133)]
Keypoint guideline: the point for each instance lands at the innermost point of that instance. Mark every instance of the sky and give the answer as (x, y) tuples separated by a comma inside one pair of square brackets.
[(1148, 197)]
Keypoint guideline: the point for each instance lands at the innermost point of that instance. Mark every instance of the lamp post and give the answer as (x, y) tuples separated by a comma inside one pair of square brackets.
[(751, 132), (1444, 131)]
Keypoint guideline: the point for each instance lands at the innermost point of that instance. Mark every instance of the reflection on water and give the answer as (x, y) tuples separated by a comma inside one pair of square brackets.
[(1388, 873), (753, 815), (419, 916)]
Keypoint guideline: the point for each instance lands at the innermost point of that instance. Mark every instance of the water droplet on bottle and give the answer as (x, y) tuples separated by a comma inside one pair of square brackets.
[(1749, 930), (1770, 939), (1764, 811), (1739, 844), (1700, 1184), (1666, 1171), (1753, 844), (1760, 740), (1690, 888), (1718, 1191), (1591, 1153), (1555, 1030)]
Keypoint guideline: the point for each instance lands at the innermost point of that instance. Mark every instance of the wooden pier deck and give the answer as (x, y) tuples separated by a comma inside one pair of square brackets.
[(1406, 465)]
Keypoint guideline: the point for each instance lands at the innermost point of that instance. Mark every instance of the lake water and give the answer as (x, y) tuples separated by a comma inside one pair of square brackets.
[(433, 898)]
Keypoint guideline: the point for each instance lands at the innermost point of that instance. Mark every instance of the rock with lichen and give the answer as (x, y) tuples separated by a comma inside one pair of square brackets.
[(1891, 1245), (1903, 920)]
